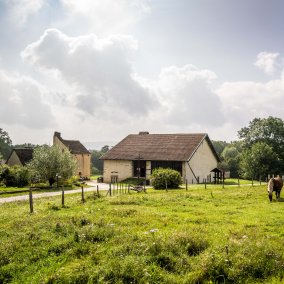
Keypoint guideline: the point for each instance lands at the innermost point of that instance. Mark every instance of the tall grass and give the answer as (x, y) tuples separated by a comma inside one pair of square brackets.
[(213, 235)]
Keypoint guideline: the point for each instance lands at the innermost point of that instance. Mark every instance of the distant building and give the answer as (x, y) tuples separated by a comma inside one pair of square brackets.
[(20, 156), (137, 155), (79, 152)]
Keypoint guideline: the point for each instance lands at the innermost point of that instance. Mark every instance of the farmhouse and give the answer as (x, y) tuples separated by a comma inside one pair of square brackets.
[(137, 155), (79, 152), (20, 156)]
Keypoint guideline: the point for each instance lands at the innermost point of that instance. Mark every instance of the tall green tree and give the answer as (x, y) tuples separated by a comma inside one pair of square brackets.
[(268, 130), (258, 161), (5, 144), (50, 162), (230, 160), (97, 164), (219, 146)]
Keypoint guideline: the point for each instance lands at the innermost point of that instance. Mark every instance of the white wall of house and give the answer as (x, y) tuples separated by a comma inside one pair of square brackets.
[(120, 168), (14, 160), (201, 163)]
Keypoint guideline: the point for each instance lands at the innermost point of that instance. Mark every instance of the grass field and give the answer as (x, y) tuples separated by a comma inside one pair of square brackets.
[(212, 235)]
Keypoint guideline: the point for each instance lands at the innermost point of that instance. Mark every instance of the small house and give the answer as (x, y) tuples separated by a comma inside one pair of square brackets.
[(20, 156), (79, 152), (137, 155)]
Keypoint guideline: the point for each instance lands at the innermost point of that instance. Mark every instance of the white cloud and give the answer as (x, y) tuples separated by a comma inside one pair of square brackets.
[(99, 70), (187, 96), (22, 102), (105, 17), (243, 101), (20, 10), (267, 62)]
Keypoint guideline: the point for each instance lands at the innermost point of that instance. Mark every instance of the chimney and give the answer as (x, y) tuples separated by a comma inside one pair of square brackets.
[(143, 133), (56, 135)]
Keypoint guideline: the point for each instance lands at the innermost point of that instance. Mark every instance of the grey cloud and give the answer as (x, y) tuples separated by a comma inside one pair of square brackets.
[(21, 103)]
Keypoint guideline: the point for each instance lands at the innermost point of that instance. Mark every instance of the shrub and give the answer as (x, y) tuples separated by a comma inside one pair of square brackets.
[(165, 178), (15, 176)]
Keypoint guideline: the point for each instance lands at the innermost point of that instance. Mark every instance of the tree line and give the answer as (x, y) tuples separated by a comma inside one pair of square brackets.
[(259, 151)]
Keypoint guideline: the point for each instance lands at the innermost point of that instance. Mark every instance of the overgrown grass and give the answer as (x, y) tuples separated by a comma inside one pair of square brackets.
[(213, 235)]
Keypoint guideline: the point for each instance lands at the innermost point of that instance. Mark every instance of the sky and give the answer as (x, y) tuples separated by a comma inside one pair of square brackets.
[(97, 70)]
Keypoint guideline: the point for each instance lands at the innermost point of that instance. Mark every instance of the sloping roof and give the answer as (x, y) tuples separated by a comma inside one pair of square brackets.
[(24, 154), (75, 147), (158, 147)]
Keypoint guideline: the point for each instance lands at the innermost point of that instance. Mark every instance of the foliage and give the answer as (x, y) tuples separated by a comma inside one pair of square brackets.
[(49, 162), (196, 236), (15, 176), (268, 130), (230, 160), (5, 144), (258, 161), (95, 159), (219, 146), (165, 178)]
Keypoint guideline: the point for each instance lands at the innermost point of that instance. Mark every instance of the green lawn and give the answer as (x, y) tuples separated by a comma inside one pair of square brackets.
[(212, 235)]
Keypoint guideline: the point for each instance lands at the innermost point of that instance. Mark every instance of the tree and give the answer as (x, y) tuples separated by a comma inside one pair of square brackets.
[(50, 162), (219, 146), (230, 160), (268, 130), (5, 144), (97, 164), (258, 161)]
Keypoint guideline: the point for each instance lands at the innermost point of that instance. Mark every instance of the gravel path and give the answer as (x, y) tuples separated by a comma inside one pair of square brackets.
[(92, 184)]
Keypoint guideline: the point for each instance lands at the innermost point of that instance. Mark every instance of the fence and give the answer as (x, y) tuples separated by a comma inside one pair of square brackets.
[(114, 190)]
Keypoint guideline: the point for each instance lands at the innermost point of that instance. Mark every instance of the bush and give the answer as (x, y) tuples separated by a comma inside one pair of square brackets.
[(165, 178), (15, 176)]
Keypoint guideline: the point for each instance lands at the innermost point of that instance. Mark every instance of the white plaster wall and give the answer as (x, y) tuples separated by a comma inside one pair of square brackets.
[(202, 162), (123, 168)]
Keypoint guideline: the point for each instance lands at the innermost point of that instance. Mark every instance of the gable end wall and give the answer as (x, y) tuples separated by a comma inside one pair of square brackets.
[(201, 163)]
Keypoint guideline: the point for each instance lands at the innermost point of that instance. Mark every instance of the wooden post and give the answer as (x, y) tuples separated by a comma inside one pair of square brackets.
[(98, 191), (110, 189), (82, 187), (205, 183), (186, 184), (31, 200), (166, 186), (62, 199)]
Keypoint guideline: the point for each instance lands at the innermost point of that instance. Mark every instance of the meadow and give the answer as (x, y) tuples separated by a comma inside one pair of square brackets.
[(213, 235)]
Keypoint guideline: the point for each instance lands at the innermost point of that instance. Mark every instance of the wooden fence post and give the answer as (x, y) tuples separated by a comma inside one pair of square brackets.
[(110, 189), (31, 200), (205, 183), (186, 184), (98, 191), (82, 187), (62, 199)]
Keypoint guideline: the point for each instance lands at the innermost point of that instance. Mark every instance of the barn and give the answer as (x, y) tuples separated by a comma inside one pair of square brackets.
[(137, 155)]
